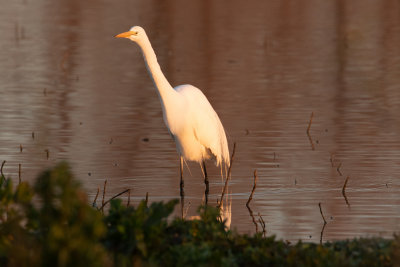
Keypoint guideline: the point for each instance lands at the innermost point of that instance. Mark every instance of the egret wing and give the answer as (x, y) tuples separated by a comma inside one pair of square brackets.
[(206, 124)]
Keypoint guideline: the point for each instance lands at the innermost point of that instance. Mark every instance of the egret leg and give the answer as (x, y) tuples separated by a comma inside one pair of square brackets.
[(205, 182), (181, 170), (181, 186)]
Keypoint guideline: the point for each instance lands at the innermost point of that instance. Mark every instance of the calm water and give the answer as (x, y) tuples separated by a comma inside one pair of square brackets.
[(265, 67)]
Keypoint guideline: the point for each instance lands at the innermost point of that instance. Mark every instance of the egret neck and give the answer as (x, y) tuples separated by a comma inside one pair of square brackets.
[(169, 98)]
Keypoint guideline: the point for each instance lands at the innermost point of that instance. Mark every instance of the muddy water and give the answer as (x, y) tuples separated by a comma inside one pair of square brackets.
[(68, 87)]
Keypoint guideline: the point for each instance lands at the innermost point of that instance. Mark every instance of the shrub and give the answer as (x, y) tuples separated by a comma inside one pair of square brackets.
[(58, 227), (52, 224)]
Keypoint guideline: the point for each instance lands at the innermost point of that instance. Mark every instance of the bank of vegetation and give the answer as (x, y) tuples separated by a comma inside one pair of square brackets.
[(51, 223)]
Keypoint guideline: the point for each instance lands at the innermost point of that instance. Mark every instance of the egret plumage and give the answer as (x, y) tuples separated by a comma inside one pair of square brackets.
[(192, 122)]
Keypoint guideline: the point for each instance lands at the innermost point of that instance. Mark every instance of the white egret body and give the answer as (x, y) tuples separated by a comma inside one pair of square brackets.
[(189, 117)]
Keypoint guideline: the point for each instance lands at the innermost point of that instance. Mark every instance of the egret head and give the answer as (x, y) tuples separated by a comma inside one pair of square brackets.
[(134, 34)]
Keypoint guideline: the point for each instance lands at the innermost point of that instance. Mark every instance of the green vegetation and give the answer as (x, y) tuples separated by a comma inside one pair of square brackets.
[(52, 224)]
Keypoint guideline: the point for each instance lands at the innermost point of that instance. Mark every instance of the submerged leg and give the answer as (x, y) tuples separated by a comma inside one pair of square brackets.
[(181, 186), (205, 181), (181, 171)]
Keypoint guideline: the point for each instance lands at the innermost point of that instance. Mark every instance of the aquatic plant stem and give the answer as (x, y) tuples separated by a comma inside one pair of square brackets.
[(338, 169), (308, 131), (254, 188), (95, 199), (322, 215), (344, 191), (104, 193), (309, 123), (1, 169), (117, 195), (19, 172), (228, 176), (323, 227)]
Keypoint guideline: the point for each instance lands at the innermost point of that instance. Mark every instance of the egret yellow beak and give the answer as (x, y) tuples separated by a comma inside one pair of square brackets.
[(125, 34)]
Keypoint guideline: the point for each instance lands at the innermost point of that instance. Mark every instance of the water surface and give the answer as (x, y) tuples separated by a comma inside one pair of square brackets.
[(69, 87)]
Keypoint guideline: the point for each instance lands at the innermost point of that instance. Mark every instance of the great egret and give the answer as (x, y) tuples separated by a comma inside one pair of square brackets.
[(189, 117)]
